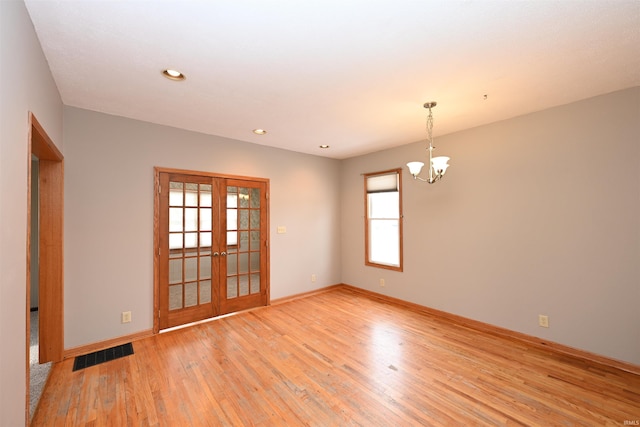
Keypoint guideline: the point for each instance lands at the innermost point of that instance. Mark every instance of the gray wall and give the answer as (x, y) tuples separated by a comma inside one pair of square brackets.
[(109, 164), (26, 85), (539, 214), (527, 221)]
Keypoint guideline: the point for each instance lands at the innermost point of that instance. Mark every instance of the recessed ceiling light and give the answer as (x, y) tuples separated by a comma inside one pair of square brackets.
[(173, 75), (259, 131), (324, 146)]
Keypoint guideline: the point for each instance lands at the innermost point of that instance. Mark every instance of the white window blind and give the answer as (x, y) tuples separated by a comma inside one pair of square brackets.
[(382, 183)]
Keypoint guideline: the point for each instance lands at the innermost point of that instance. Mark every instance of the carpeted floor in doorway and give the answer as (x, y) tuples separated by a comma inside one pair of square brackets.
[(38, 373)]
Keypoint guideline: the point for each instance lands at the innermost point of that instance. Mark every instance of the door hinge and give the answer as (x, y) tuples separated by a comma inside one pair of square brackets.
[(159, 189)]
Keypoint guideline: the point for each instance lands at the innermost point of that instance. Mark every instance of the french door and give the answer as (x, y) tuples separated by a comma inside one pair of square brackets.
[(211, 255)]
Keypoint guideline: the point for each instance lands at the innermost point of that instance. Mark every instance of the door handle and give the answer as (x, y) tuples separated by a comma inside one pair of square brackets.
[(223, 254), (216, 254)]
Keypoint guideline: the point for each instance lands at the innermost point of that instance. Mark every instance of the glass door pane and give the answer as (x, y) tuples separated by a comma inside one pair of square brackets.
[(190, 223), (243, 220)]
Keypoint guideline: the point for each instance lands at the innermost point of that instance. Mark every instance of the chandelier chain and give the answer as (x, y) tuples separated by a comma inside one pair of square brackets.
[(430, 128)]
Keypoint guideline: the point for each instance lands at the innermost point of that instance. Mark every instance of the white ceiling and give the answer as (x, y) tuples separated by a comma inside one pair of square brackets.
[(349, 73)]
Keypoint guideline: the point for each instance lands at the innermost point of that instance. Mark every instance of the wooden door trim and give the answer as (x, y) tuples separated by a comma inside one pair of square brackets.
[(51, 245), (159, 170), (156, 230)]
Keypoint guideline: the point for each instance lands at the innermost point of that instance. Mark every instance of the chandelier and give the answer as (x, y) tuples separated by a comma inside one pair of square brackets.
[(437, 165)]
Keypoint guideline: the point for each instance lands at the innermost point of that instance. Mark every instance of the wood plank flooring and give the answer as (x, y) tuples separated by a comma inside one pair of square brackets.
[(338, 358)]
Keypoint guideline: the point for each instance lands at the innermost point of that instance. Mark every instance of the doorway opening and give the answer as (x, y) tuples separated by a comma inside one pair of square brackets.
[(44, 243)]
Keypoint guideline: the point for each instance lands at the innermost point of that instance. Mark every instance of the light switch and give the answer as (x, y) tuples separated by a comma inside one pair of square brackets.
[(282, 229)]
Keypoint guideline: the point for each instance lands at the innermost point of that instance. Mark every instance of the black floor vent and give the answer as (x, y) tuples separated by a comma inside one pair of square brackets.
[(102, 356)]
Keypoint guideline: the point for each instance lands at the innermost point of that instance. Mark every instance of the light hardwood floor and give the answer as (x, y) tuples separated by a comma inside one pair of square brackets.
[(333, 359)]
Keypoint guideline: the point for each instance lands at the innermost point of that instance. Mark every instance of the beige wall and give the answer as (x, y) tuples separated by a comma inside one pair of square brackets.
[(26, 85), (539, 214), (109, 164)]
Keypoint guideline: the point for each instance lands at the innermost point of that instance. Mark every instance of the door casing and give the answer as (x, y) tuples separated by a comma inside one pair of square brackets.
[(50, 241), (157, 231)]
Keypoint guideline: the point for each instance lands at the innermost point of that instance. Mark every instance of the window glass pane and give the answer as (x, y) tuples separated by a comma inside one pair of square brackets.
[(191, 240), (190, 269), (175, 241), (205, 219), (175, 297), (244, 262), (191, 194), (232, 238), (205, 240), (255, 283), (244, 285), (190, 219), (175, 194), (255, 220), (190, 294), (205, 195), (255, 198), (205, 267), (232, 199), (232, 264), (384, 242), (243, 195), (255, 240), (255, 261), (244, 219), (232, 219), (384, 205), (175, 219), (205, 291), (175, 270), (244, 241), (232, 287)]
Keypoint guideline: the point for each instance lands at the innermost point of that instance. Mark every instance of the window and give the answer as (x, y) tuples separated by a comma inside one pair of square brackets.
[(383, 219)]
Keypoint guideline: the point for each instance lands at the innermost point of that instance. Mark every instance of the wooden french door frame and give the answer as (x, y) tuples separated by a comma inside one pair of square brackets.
[(50, 243), (238, 301), (192, 258), (157, 261)]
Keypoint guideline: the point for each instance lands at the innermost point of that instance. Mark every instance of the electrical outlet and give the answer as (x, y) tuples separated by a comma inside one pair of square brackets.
[(126, 316), (382, 282), (543, 320), (313, 278)]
